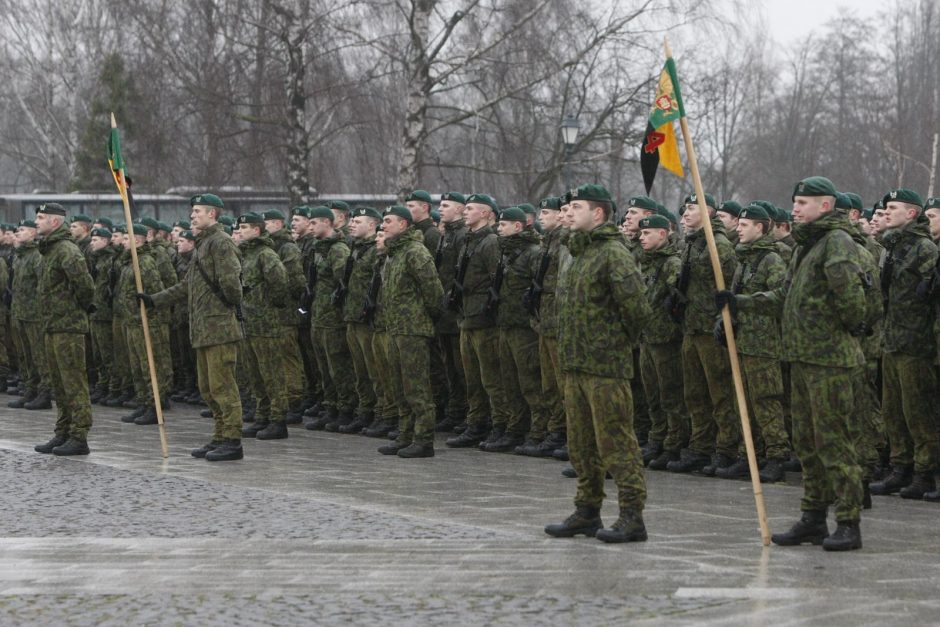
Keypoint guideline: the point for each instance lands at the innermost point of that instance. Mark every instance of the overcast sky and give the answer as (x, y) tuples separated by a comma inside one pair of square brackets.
[(789, 20)]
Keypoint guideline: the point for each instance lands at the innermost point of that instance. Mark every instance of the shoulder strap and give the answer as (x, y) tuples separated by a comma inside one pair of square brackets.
[(212, 284)]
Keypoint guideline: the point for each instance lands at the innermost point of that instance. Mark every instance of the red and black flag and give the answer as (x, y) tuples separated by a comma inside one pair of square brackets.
[(659, 142)]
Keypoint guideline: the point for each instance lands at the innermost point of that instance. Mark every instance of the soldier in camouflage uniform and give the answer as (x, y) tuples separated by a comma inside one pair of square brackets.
[(386, 410), (932, 213), (448, 334), (340, 211), (661, 348), (479, 337), (728, 212), (66, 292), (265, 289), (909, 385), (306, 243), (823, 308), (102, 259), (411, 297), (80, 229), (186, 366), (599, 322), (214, 293), (758, 340), (122, 386), (706, 369)]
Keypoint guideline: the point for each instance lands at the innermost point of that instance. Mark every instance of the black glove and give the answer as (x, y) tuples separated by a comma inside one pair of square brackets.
[(145, 299), (246, 289), (719, 332), (7, 297), (91, 309), (726, 297)]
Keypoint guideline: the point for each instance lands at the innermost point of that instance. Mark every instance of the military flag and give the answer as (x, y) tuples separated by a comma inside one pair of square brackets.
[(659, 141)]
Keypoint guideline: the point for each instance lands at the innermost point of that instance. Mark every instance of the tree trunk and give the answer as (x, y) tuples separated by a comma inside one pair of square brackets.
[(419, 91), (298, 149)]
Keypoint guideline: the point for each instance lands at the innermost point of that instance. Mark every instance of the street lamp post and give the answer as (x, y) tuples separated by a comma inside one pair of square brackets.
[(569, 134)]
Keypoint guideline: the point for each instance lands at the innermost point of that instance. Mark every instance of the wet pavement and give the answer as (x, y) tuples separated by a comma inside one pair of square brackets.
[(320, 528)]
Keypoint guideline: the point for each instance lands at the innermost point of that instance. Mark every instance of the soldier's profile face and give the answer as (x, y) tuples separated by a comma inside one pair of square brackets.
[(77, 229), (339, 218), (361, 227), (582, 216), (46, 223), (393, 225), (273, 226), (506, 228), (652, 239), (202, 215), (450, 211), (808, 209), (549, 218), (898, 214), (933, 217), (476, 214), (299, 224), (633, 217), (730, 222), (749, 230), (419, 210), (692, 218), (321, 227), (184, 245), (248, 232), (98, 242)]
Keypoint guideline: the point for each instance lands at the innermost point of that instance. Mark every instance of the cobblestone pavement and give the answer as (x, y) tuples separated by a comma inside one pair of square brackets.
[(319, 528)]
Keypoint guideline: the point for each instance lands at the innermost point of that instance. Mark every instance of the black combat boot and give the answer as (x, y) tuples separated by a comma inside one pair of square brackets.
[(314, 410), (628, 528), (793, 464), (134, 415), (205, 448), (295, 413), (47, 447), (688, 461), (226, 451), (651, 450), (447, 425), (43, 400), (343, 418), (900, 477), (663, 460), (585, 521), (933, 497), (274, 431), (504, 443), (569, 472), (494, 434), (923, 483), (561, 453), (361, 422), (718, 460), (469, 438), (249, 405), (392, 448), (97, 394), (772, 472), (319, 423), (393, 434), (72, 446), (415, 451), (19, 403), (846, 537), (380, 428), (206, 413), (529, 447), (251, 430), (552, 442), (811, 527), (738, 470), (149, 417), (113, 400)]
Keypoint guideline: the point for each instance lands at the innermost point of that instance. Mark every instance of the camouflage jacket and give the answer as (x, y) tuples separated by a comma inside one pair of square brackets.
[(66, 290), (446, 258), (102, 261), (911, 258), (27, 268), (378, 317), (558, 255), (264, 285), (783, 249), (211, 304), (291, 257), (633, 245), (482, 249), (660, 270), (760, 270), (164, 263), (700, 311), (330, 259), (822, 302), (180, 316), (411, 291), (872, 340), (360, 278), (125, 298), (605, 307), (429, 233), (520, 257)]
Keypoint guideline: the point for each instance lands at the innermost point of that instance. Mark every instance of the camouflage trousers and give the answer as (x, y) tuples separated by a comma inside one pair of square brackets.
[(313, 386), (65, 353), (359, 338), (409, 358), (642, 418), (823, 438), (909, 406), (184, 365), (121, 368), (553, 418), (215, 371), (335, 367), (708, 393), (140, 369), (870, 429), (34, 367), (385, 406), (439, 388), (661, 373), (264, 357), (601, 438), (5, 332), (293, 365), (479, 350), (101, 346), (449, 344), (522, 379), (763, 388)]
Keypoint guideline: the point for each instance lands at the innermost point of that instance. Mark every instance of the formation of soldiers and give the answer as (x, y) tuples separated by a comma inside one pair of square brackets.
[(546, 332)]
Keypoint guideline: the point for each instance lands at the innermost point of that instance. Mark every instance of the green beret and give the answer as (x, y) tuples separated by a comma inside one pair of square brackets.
[(933, 203), (251, 218), (120, 228), (183, 224), (226, 220), (512, 214), (843, 201), (165, 227), (692, 199), (754, 212), (590, 192), (81, 217), (878, 205), (420, 195), (273, 214), (303, 211), (400, 211), (227, 228), (320, 212), (454, 197), (662, 211), (783, 215), (369, 212), (187, 234), (868, 214), (654, 221), (105, 221), (731, 207), (150, 223), (338, 204), (101, 232), (903, 195), (551, 202), (483, 199), (527, 208), (814, 186), (855, 199), (7, 226), (206, 199), (644, 202), (140, 229), (435, 216), (51, 208), (27, 223)]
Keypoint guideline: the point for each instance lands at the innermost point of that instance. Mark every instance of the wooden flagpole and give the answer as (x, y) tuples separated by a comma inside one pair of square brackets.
[(729, 331), (129, 220)]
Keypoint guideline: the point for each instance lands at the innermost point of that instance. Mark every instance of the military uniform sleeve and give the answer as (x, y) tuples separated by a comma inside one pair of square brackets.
[(773, 272), (843, 276), (80, 281), (339, 252), (425, 276), (172, 295), (150, 276), (228, 270), (293, 266), (275, 276), (627, 291)]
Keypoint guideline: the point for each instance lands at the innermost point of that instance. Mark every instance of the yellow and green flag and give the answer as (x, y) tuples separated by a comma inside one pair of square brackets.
[(659, 143)]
